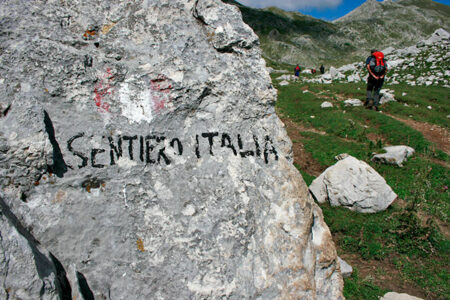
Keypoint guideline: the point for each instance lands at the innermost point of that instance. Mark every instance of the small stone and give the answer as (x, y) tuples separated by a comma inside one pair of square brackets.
[(346, 269), (326, 104)]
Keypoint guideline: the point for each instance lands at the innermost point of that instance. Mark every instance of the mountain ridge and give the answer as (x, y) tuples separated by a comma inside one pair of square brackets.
[(291, 37)]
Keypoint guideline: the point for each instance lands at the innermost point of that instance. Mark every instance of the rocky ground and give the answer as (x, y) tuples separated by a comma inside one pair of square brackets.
[(426, 63)]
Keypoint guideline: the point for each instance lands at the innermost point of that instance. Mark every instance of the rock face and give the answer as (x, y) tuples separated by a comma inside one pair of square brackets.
[(140, 146), (353, 184)]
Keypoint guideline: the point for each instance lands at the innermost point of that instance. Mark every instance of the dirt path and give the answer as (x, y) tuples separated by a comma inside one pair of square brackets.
[(434, 133), (302, 157)]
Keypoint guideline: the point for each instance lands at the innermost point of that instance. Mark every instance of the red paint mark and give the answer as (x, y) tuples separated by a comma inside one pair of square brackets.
[(103, 89), (160, 89)]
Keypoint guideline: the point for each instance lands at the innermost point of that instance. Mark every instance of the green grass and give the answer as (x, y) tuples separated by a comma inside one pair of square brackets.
[(394, 233), (407, 237), (418, 99), (361, 289)]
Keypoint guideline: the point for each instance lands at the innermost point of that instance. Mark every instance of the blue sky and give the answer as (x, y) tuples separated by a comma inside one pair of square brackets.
[(322, 9)]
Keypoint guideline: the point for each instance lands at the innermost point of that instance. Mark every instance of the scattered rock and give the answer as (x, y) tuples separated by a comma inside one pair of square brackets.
[(395, 155), (326, 104), (397, 296), (353, 184), (284, 82), (353, 102), (419, 58), (386, 96)]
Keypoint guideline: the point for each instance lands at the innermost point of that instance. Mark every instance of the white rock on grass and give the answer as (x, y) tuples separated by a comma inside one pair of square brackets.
[(353, 102), (354, 78), (335, 74), (386, 96), (397, 296), (353, 184), (284, 82), (286, 77), (395, 155), (326, 104), (346, 269)]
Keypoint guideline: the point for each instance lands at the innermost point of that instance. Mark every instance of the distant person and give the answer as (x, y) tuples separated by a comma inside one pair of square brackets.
[(322, 69), (313, 71), (297, 71), (377, 67)]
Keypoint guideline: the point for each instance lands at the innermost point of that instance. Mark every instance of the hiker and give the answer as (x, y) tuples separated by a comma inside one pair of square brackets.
[(297, 71), (322, 69), (313, 71), (377, 67)]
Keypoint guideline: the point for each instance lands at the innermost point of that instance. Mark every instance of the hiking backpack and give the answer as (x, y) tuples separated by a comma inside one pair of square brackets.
[(377, 63)]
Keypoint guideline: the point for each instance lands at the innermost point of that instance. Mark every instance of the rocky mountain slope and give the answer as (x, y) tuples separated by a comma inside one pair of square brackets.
[(290, 37), (426, 63)]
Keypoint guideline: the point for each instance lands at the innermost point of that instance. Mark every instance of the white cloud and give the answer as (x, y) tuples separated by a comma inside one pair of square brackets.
[(292, 5)]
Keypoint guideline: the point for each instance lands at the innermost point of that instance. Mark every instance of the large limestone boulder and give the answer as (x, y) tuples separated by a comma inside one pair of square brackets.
[(353, 184), (139, 145)]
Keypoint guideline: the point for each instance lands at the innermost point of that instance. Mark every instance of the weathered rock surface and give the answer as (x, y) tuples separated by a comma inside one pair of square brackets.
[(139, 145), (397, 296), (395, 155), (353, 184), (27, 271)]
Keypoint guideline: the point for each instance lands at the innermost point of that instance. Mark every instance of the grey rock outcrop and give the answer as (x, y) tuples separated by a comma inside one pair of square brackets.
[(395, 155), (353, 184), (139, 145)]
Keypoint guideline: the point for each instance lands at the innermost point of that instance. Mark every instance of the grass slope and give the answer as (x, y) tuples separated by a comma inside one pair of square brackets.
[(408, 242)]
